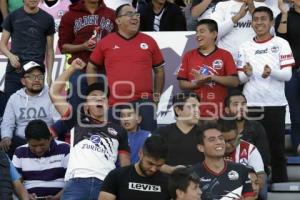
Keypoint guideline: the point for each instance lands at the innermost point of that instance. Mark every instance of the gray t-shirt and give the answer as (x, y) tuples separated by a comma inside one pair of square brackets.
[(29, 34)]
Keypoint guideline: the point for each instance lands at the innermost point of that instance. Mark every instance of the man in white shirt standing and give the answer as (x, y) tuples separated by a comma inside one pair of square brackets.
[(234, 22), (264, 64)]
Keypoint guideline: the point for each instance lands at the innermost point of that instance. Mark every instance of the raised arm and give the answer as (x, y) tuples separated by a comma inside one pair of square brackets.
[(57, 87)]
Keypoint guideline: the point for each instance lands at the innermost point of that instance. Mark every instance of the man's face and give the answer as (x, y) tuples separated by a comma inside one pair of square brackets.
[(150, 166), (190, 111), (213, 144), (237, 107), (34, 81), (128, 20), (204, 37), (231, 141), (261, 23), (97, 104), (192, 192), (129, 119), (31, 3), (39, 147)]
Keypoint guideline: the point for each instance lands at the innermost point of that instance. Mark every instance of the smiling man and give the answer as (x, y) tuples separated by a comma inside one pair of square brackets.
[(219, 178), (129, 58), (264, 64), (208, 70)]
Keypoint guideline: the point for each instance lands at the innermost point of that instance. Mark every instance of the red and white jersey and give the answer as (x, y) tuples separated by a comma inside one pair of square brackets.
[(57, 10), (231, 35), (247, 154), (218, 63), (276, 53)]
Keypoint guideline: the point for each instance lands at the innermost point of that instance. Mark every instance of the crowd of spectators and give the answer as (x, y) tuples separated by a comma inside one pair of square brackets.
[(228, 137)]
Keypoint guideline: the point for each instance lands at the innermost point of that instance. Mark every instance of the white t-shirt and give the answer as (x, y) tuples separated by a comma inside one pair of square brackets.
[(277, 54), (231, 35), (114, 4)]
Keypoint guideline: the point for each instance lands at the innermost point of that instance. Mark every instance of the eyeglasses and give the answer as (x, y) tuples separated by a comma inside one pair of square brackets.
[(34, 77), (131, 14)]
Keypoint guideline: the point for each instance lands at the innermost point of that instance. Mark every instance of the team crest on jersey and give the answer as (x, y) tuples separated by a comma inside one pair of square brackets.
[(96, 139), (233, 175), (243, 161), (275, 49), (144, 46), (217, 64), (112, 131), (244, 153)]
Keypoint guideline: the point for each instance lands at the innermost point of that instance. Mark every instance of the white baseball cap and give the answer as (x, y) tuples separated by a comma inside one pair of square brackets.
[(32, 65)]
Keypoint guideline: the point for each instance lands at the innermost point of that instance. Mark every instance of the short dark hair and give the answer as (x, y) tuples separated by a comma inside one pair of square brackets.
[(179, 99), (98, 86), (233, 93), (264, 9), (204, 127), (180, 179), (226, 125), (129, 105), (210, 23), (37, 129), (119, 9), (155, 147)]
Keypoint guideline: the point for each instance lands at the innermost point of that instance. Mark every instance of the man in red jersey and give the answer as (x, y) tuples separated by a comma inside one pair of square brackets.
[(87, 22), (129, 57), (208, 70)]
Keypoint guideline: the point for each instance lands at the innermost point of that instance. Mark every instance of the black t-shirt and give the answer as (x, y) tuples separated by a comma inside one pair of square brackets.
[(182, 147), (29, 34), (232, 182), (126, 184)]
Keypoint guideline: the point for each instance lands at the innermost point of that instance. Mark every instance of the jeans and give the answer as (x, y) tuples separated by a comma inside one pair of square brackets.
[(292, 92), (82, 189), (12, 83), (274, 124), (146, 109)]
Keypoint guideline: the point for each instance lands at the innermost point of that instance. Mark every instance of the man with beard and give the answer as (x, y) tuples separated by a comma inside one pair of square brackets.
[(28, 103), (142, 180), (249, 130)]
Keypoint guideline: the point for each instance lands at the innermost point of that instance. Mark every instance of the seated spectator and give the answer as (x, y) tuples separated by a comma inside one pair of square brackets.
[(42, 162), (142, 180), (220, 178), (130, 119), (208, 70), (28, 103), (181, 136), (97, 143), (161, 15), (10, 180), (240, 151), (184, 185), (249, 130)]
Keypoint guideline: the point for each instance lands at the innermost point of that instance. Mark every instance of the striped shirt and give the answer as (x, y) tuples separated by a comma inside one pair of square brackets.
[(43, 175)]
